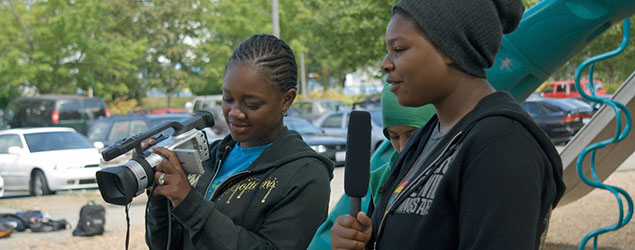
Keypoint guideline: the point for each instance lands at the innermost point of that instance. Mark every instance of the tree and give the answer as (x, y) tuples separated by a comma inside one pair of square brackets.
[(60, 46), (224, 24), (355, 42)]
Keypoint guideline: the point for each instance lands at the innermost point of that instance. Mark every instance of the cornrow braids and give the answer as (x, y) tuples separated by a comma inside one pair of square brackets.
[(269, 52)]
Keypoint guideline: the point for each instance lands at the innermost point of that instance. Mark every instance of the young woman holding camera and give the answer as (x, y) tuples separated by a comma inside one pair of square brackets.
[(263, 187)]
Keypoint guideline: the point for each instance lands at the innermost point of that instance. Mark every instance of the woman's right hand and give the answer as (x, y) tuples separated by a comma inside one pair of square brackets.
[(349, 232)]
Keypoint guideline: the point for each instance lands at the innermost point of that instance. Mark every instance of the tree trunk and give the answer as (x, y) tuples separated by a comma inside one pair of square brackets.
[(169, 93), (325, 80)]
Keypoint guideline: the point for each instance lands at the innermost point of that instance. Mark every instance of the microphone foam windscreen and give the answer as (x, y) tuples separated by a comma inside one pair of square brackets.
[(357, 170)]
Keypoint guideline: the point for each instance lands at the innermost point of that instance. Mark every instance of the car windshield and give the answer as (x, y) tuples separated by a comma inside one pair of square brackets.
[(98, 131), (556, 105), (580, 105), (302, 126), (61, 140)]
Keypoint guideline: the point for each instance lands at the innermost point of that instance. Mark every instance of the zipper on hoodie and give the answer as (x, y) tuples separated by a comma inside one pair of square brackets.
[(229, 180), (219, 164), (409, 187)]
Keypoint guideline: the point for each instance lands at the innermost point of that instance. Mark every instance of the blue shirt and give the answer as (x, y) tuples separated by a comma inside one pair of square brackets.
[(238, 159)]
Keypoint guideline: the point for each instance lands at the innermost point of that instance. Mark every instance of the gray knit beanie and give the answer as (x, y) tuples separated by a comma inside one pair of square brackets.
[(469, 32)]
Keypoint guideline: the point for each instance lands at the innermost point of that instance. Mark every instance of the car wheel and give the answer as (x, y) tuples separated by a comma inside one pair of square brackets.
[(39, 186)]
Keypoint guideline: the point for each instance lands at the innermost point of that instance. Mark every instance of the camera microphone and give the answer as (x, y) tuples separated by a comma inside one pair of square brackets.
[(357, 168)]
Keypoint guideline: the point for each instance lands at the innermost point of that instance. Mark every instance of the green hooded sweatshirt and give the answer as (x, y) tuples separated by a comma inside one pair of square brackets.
[(398, 115)]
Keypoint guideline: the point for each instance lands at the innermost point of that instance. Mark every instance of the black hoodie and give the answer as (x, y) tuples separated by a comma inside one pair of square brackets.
[(277, 203), (489, 184)]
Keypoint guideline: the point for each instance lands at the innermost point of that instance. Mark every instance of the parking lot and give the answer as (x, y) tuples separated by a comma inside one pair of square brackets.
[(568, 225)]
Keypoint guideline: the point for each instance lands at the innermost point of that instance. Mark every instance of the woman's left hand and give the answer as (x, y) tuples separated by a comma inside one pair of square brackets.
[(175, 185)]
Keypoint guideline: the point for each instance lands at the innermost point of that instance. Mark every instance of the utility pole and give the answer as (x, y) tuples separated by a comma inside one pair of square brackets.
[(275, 23), (275, 18)]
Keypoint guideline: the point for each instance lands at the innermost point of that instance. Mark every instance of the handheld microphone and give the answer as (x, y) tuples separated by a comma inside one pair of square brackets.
[(357, 170)]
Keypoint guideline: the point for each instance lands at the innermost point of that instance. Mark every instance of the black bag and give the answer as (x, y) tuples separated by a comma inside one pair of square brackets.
[(14, 222), (92, 219), (48, 225)]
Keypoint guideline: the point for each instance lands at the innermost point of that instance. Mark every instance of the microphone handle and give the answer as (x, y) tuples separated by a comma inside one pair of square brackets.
[(355, 206)]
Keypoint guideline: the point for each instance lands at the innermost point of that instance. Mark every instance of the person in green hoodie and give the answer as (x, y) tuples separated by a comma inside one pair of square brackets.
[(399, 123), (263, 186)]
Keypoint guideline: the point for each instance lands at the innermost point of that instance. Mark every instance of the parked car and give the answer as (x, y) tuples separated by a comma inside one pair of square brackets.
[(76, 112), (336, 124), (158, 111), (564, 89), (596, 105), (559, 118), (1, 186), (45, 160), (332, 147), (213, 104), (110, 130), (312, 109), (581, 107), (205, 102), (220, 126)]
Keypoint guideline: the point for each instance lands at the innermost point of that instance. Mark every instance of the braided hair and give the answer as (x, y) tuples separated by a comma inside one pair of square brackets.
[(271, 53)]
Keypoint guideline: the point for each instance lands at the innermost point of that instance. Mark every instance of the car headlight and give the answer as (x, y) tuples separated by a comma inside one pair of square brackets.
[(319, 148)]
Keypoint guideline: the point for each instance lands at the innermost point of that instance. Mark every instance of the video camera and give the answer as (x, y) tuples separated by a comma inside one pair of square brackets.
[(119, 185)]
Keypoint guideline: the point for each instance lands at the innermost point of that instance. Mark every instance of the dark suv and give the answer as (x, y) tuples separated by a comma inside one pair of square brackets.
[(73, 111), (112, 129)]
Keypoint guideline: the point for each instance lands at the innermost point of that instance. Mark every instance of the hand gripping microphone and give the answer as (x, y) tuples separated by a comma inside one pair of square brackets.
[(357, 170)]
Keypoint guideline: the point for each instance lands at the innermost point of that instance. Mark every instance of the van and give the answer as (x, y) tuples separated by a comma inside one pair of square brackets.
[(73, 111), (212, 104), (310, 109), (205, 102)]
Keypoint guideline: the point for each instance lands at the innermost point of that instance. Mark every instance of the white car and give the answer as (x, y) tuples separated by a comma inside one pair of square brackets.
[(45, 160), (336, 124)]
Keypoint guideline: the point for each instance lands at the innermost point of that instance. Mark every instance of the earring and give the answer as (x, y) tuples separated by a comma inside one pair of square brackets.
[(285, 113)]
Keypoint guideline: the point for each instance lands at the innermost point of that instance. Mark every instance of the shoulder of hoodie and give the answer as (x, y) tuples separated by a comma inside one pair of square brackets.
[(500, 118), (294, 152)]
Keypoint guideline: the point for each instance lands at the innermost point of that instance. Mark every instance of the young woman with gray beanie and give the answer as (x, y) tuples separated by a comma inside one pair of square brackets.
[(480, 174)]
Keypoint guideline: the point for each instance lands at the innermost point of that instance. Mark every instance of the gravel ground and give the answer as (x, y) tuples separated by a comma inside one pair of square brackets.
[(568, 225), (571, 222)]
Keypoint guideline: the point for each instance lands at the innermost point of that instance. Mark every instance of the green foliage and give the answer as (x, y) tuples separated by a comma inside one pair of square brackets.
[(61, 46), (120, 106), (122, 48), (345, 36)]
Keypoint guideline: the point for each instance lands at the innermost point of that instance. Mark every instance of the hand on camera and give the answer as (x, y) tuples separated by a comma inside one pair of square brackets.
[(349, 232), (174, 183), (145, 144)]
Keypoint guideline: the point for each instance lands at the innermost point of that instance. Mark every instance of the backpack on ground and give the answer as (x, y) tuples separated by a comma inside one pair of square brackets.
[(92, 218)]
